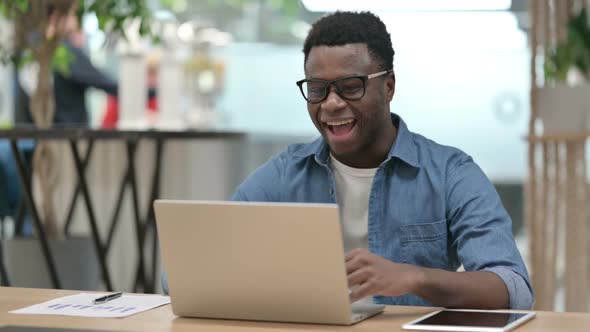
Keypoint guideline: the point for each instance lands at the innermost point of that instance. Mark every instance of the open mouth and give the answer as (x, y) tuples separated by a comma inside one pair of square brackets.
[(340, 127)]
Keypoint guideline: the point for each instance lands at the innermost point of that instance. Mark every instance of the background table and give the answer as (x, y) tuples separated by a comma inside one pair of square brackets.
[(161, 319), (143, 220)]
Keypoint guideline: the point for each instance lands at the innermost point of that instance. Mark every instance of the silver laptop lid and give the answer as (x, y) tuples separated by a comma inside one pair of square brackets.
[(256, 261)]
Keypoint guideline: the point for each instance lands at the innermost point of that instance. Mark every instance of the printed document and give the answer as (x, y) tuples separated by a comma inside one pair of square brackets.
[(81, 305)]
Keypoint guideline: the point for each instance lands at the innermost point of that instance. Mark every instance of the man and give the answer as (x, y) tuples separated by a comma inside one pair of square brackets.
[(412, 211)]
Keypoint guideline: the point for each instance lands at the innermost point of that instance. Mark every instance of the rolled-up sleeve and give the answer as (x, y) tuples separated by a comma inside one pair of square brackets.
[(521, 296), (481, 230)]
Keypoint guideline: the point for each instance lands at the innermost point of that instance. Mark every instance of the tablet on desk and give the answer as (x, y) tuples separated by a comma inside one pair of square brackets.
[(470, 320)]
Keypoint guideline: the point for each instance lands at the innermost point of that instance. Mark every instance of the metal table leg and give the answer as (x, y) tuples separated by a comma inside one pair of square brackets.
[(139, 227), (72, 207), (26, 185), (149, 223), (91, 216), (21, 208), (20, 216), (118, 204), (3, 273), (152, 217)]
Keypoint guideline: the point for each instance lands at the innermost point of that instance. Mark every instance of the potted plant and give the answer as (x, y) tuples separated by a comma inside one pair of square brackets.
[(37, 35), (564, 100)]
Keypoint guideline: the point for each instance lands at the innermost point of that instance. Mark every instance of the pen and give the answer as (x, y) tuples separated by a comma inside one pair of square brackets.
[(107, 298)]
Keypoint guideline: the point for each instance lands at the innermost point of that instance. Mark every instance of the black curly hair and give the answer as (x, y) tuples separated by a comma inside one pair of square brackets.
[(341, 28)]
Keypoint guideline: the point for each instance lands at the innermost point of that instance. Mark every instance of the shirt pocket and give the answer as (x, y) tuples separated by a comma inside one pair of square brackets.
[(425, 244)]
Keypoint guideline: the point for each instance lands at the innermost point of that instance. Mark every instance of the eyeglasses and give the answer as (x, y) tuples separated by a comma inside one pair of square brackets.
[(350, 88)]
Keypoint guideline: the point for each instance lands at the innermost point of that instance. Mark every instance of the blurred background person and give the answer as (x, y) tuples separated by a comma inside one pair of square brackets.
[(70, 86)]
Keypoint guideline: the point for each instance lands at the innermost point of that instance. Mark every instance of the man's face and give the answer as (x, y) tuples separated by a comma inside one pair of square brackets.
[(352, 129)]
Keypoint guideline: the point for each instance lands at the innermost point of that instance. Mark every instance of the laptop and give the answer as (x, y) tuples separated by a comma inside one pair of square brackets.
[(257, 261)]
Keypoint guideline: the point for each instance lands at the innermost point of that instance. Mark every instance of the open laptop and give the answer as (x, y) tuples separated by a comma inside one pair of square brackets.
[(256, 261)]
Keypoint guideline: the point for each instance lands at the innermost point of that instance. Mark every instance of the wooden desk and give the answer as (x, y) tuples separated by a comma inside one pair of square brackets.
[(162, 319)]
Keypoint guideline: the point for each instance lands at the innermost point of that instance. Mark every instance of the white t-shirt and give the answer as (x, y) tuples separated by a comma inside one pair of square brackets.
[(353, 186)]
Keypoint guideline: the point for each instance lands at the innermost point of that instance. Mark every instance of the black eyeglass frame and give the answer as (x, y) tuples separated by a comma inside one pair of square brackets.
[(363, 78)]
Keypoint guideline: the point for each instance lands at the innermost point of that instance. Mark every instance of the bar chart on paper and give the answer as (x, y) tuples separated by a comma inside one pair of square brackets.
[(81, 305), (94, 308)]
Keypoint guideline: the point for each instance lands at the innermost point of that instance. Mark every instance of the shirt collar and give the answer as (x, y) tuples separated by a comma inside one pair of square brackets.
[(403, 148)]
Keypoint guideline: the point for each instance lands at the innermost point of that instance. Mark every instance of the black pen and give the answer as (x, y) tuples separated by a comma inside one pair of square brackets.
[(107, 298)]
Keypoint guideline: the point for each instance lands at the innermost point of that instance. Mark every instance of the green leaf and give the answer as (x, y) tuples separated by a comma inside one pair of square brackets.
[(275, 4), (62, 59), (23, 59), (102, 22), (9, 8), (156, 39), (22, 5), (291, 8), (93, 8), (169, 4)]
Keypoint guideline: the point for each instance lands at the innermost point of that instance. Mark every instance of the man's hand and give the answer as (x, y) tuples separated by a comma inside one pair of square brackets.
[(375, 275)]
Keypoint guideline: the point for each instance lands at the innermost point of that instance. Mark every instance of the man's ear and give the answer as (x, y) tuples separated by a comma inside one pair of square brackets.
[(390, 86)]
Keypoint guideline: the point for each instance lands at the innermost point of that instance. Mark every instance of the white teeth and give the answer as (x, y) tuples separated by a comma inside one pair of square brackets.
[(339, 123)]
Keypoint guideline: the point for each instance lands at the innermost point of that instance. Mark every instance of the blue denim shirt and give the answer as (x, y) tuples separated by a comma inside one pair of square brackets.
[(430, 205)]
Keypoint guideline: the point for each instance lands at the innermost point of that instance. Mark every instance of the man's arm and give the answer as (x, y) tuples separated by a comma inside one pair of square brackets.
[(475, 289), (377, 275), (85, 73), (481, 233), (481, 230)]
